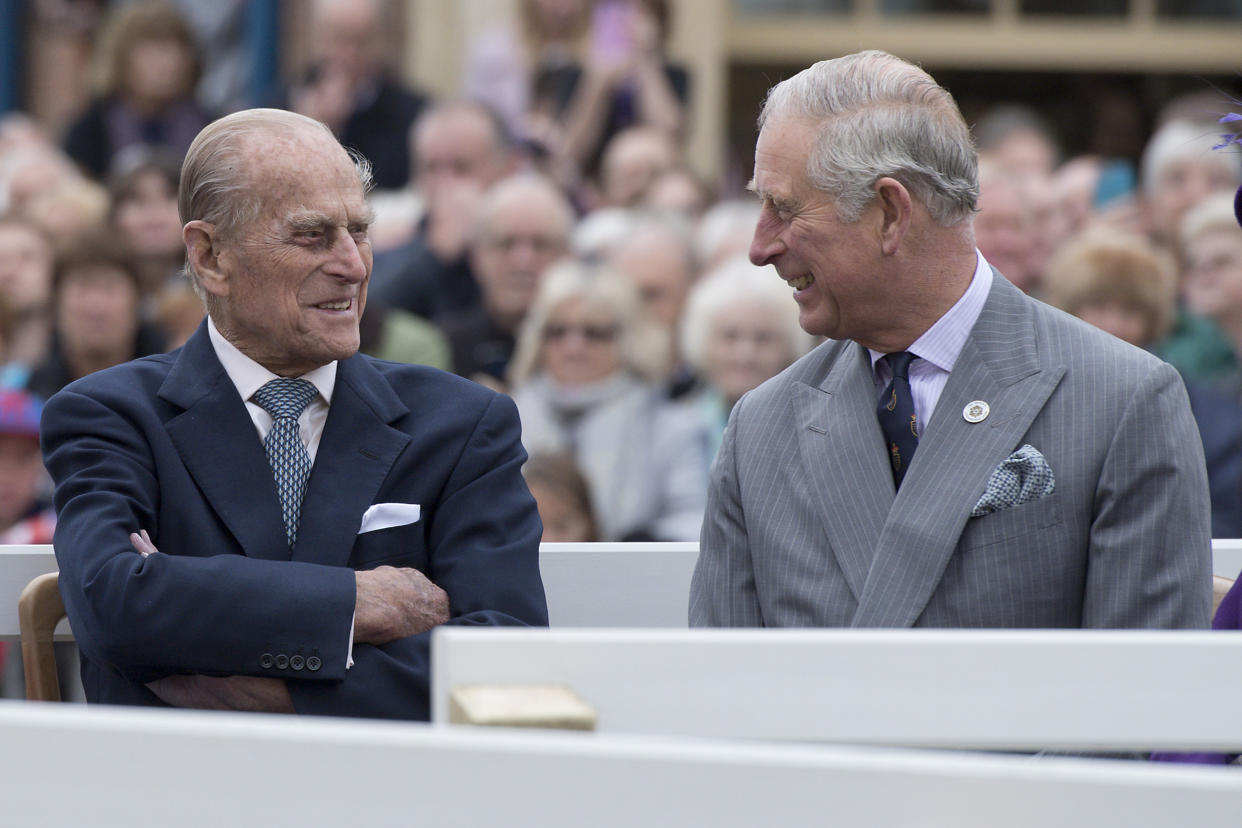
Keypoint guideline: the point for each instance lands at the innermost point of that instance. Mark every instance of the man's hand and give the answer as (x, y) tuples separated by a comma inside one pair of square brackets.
[(250, 693), (142, 542), (396, 603)]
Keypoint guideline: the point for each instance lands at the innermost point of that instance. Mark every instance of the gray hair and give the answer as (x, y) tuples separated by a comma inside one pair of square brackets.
[(215, 176), (1181, 141), (1214, 212), (735, 283), (879, 115)]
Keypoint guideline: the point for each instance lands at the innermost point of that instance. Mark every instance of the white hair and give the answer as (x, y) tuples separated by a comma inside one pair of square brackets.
[(1214, 212), (738, 283), (878, 116), (216, 174), (1182, 141), (600, 230)]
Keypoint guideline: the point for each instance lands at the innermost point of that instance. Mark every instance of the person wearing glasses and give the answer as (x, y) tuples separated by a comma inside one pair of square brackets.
[(584, 377)]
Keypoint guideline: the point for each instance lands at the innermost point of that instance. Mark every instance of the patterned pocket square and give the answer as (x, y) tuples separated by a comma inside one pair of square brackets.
[(1023, 476)]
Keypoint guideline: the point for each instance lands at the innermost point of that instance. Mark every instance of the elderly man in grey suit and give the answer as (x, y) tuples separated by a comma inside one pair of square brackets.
[(956, 454)]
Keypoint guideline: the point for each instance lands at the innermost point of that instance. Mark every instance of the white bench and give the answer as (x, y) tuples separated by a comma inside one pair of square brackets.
[(1065, 690), (65, 765), (587, 585)]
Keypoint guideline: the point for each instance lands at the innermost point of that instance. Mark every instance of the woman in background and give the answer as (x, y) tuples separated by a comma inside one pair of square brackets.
[(584, 377)]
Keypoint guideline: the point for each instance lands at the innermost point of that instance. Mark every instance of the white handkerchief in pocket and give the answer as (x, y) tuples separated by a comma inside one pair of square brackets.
[(386, 515)]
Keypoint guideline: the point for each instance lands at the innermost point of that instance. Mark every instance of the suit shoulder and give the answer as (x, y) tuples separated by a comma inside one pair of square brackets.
[(1068, 337), (423, 383), (136, 378)]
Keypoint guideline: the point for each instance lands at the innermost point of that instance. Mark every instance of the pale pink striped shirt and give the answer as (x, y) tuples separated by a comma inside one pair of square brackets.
[(939, 347)]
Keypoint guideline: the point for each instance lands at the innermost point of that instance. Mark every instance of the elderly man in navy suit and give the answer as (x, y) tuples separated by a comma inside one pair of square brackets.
[(265, 519)]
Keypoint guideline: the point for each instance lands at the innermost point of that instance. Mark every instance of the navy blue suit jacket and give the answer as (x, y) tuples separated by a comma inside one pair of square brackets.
[(165, 444)]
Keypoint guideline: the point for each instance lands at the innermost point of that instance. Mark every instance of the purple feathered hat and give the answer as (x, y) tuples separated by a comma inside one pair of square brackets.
[(1233, 139)]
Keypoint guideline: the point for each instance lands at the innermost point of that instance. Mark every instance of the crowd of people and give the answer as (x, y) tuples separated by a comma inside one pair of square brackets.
[(544, 234)]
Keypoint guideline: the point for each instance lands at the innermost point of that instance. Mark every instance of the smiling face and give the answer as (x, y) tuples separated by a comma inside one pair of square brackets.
[(290, 291), (833, 265), (581, 343)]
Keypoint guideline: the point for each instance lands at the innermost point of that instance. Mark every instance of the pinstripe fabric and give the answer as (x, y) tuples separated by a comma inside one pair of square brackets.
[(799, 529)]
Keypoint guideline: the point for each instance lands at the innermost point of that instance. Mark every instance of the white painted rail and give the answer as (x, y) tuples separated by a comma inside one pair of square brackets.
[(66, 765), (1066, 690)]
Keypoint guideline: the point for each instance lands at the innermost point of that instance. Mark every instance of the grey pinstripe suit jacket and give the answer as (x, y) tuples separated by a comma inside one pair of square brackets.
[(803, 527)]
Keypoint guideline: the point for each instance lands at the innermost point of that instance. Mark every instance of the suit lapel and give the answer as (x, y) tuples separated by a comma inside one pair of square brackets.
[(999, 364), (220, 448), (842, 451), (356, 452)]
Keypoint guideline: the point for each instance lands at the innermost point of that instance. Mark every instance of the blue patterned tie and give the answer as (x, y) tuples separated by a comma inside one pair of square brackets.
[(285, 399), (896, 415)]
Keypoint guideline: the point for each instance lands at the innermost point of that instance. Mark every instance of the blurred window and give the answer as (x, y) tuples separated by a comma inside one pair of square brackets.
[(751, 8), (1077, 8), (1190, 9)]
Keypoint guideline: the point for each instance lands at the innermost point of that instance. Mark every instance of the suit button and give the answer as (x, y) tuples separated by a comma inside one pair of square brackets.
[(282, 661), (313, 663), (266, 661), (297, 662)]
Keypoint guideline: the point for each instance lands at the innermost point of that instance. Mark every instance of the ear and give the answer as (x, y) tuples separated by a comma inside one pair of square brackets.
[(896, 209), (202, 248)]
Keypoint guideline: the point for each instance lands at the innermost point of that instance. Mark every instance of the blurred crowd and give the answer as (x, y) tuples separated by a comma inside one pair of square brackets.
[(543, 233)]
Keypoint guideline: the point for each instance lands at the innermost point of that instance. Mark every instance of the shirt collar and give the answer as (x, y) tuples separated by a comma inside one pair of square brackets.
[(249, 376), (942, 343)]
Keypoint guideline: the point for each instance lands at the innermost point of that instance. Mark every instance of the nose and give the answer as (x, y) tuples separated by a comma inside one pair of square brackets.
[(351, 262), (765, 246)]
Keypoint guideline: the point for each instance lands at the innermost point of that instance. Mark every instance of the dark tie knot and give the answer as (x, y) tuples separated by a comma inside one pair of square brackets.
[(899, 363), (284, 397)]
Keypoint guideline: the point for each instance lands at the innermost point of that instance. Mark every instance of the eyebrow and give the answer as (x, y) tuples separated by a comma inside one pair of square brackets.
[(300, 220)]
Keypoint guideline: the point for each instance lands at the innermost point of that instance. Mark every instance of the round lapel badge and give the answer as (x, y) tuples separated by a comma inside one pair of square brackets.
[(976, 411)]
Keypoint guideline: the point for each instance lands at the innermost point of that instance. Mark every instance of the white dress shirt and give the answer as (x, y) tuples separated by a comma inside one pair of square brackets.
[(249, 376), (938, 348)]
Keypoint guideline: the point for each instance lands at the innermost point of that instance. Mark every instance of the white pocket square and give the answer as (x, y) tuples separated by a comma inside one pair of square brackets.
[(1021, 477), (387, 515)]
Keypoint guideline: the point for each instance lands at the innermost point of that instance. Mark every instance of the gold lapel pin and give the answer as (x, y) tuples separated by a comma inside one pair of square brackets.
[(976, 411)]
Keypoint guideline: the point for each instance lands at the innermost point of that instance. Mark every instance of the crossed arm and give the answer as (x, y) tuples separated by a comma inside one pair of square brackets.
[(390, 603)]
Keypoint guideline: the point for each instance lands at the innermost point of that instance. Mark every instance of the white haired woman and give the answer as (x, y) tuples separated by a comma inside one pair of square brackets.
[(740, 328), (584, 375)]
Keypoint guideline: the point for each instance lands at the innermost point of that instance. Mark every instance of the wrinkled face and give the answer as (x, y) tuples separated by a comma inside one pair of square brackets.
[(563, 519), (521, 240), (832, 265), (20, 470), (97, 311), (148, 218), (581, 343), (295, 283), (1213, 283), (25, 266), (746, 345)]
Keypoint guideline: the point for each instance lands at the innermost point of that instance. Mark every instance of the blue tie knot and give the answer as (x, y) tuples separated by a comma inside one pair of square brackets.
[(899, 363), (284, 397)]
